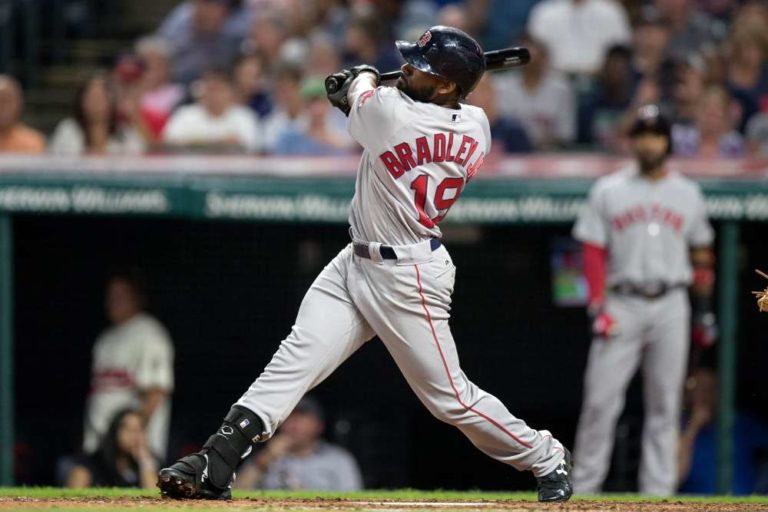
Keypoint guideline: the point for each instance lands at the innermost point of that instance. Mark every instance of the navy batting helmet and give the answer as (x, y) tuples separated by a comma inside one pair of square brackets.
[(449, 53), (649, 119)]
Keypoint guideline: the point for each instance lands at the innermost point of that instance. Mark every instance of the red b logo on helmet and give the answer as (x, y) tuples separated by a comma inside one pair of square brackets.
[(423, 40)]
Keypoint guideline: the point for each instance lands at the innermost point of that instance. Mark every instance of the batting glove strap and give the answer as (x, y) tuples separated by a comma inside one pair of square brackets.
[(365, 68)]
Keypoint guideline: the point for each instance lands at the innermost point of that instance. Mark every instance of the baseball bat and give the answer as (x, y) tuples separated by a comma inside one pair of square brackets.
[(505, 58)]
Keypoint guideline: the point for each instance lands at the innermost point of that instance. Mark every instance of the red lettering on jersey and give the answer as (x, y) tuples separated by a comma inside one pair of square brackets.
[(475, 166), (406, 155), (438, 148), (448, 156), (466, 140), (365, 97), (444, 203), (392, 164), (423, 156), (472, 148)]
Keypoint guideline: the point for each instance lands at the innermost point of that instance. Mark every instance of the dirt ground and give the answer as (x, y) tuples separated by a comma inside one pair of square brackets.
[(343, 505)]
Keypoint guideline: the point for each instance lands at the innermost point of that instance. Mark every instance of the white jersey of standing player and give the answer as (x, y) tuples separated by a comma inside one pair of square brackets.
[(418, 157)]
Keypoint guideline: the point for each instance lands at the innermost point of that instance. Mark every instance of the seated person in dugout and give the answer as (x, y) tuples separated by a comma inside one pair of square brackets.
[(298, 458), (122, 460)]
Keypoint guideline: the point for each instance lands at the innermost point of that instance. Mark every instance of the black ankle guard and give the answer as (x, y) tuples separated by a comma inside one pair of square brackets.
[(233, 441)]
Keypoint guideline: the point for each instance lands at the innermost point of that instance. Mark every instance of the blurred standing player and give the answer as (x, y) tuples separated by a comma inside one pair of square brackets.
[(132, 366), (395, 279), (646, 239)]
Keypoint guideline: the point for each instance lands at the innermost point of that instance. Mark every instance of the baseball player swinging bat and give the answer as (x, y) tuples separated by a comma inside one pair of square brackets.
[(495, 60)]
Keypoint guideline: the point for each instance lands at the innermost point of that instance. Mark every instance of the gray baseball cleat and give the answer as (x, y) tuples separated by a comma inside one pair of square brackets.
[(556, 485)]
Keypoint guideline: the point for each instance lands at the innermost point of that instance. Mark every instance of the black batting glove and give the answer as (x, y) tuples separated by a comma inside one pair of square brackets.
[(336, 88), (365, 68)]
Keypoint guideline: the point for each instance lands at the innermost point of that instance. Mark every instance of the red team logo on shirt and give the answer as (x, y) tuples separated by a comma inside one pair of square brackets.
[(423, 40), (365, 97)]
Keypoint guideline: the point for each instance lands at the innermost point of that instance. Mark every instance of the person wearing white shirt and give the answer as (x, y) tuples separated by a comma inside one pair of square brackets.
[(540, 99), (132, 367), (577, 33), (215, 122)]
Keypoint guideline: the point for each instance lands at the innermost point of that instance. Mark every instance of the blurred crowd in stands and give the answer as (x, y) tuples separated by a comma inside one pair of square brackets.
[(245, 76)]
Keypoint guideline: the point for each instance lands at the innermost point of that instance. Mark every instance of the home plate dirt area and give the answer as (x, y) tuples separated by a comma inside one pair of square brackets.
[(158, 504)]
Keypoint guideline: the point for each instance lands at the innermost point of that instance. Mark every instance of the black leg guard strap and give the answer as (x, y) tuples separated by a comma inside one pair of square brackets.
[(226, 448)]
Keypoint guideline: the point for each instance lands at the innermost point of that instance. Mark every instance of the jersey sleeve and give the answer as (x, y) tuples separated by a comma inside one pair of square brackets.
[(372, 118), (591, 225), (155, 364), (700, 232)]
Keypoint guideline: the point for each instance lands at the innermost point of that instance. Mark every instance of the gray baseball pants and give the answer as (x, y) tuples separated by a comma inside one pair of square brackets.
[(653, 334), (406, 302)]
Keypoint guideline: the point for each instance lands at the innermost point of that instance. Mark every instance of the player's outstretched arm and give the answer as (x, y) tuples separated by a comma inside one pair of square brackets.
[(338, 86)]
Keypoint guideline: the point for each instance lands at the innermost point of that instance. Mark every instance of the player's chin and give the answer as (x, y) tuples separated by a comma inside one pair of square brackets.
[(401, 84)]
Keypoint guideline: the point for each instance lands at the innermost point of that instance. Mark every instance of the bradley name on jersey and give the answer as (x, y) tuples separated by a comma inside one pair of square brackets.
[(441, 147)]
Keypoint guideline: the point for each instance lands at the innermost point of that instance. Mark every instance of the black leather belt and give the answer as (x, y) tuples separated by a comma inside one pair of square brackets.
[(646, 292), (387, 253)]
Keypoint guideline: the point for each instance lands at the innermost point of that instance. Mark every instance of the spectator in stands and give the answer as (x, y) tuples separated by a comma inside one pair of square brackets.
[(713, 134), (94, 128), (697, 449), (748, 71), (691, 29), (688, 81), (602, 111), (578, 33), (363, 44), (298, 458), (132, 366), (497, 22), (123, 458), (508, 134), (204, 34), (250, 84), (215, 122), (286, 92), (649, 43), (539, 99), (322, 57), (315, 135), (15, 136), (751, 16), (266, 36), (158, 95), (757, 132)]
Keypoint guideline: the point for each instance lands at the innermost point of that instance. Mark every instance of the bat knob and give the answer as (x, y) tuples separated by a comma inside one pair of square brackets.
[(331, 84)]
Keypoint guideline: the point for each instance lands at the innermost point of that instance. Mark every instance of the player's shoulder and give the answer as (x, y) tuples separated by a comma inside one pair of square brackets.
[(148, 329), (475, 113), (615, 179), (683, 183)]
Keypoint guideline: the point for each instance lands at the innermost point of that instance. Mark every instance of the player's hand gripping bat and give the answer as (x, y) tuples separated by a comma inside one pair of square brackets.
[(505, 58)]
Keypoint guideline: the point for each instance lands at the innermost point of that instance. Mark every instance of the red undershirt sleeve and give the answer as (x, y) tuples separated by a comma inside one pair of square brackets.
[(595, 261)]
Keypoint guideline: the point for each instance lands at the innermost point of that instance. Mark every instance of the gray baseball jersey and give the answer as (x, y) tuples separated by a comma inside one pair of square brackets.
[(417, 159), (646, 225), (647, 228)]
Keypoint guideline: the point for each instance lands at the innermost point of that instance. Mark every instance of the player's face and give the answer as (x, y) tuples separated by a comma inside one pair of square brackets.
[(650, 150), (122, 303), (130, 434), (302, 429), (418, 85)]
